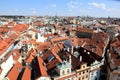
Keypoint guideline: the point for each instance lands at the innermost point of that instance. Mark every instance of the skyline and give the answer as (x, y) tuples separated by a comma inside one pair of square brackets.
[(103, 8)]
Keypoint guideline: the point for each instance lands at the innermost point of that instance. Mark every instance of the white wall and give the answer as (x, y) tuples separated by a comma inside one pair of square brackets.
[(6, 66), (43, 78)]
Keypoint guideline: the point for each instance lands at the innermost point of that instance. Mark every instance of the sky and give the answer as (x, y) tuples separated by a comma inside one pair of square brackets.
[(94, 8)]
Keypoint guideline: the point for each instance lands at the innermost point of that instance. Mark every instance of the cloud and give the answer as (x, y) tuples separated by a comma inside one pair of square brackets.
[(98, 5), (82, 11), (53, 5), (16, 10), (72, 5), (33, 10)]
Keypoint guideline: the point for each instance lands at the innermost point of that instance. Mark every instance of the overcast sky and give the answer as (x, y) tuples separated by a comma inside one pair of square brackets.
[(97, 8)]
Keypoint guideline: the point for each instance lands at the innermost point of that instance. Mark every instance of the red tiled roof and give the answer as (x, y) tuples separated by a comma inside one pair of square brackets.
[(11, 24), (52, 64), (27, 74), (53, 50), (0, 70), (34, 30), (60, 45), (41, 68), (48, 35), (20, 27), (42, 46), (113, 54), (32, 41), (6, 43), (38, 23), (31, 55), (96, 44), (59, 39), (115, 43), (75, 41), (85, 30), (69, 27), (15, 71), (117, 62)]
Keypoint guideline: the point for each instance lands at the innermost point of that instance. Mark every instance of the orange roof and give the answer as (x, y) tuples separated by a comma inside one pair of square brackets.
[(52, 64), (48, 35), (29, 58), (46, 54), (42, 68), (11, 24), (80, 26), (34, 30), (96, 44), (43, 46), (37, 23), (75, 41), (15, 53), (116, 42), (6, 43), (4, 26), (85, 30), (117, 62), (15, 71), (60, 45), (0, 70), (59, 39), (69, 27), (27, 74), (20, 27), (54, 52), (32, 41), (31, 55)]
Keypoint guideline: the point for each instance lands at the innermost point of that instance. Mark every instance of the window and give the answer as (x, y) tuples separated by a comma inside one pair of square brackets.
[(86, 76), (118, 75), (83, 72), (83, 77), (68, 71), (87, 70), (79, 73), (83, 66), (73, 78), (63, 72)]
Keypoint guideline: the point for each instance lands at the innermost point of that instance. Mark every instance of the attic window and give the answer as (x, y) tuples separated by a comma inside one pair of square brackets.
[(51, 57), (84, 66)]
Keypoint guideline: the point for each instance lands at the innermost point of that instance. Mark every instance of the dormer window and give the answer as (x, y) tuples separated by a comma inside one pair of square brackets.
[(84, 66)]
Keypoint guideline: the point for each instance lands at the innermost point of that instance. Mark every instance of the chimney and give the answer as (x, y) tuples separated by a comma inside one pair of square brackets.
[(68, 49), (84, 50), (88, 53), (72, 50), (80, 58), (70, 59)]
